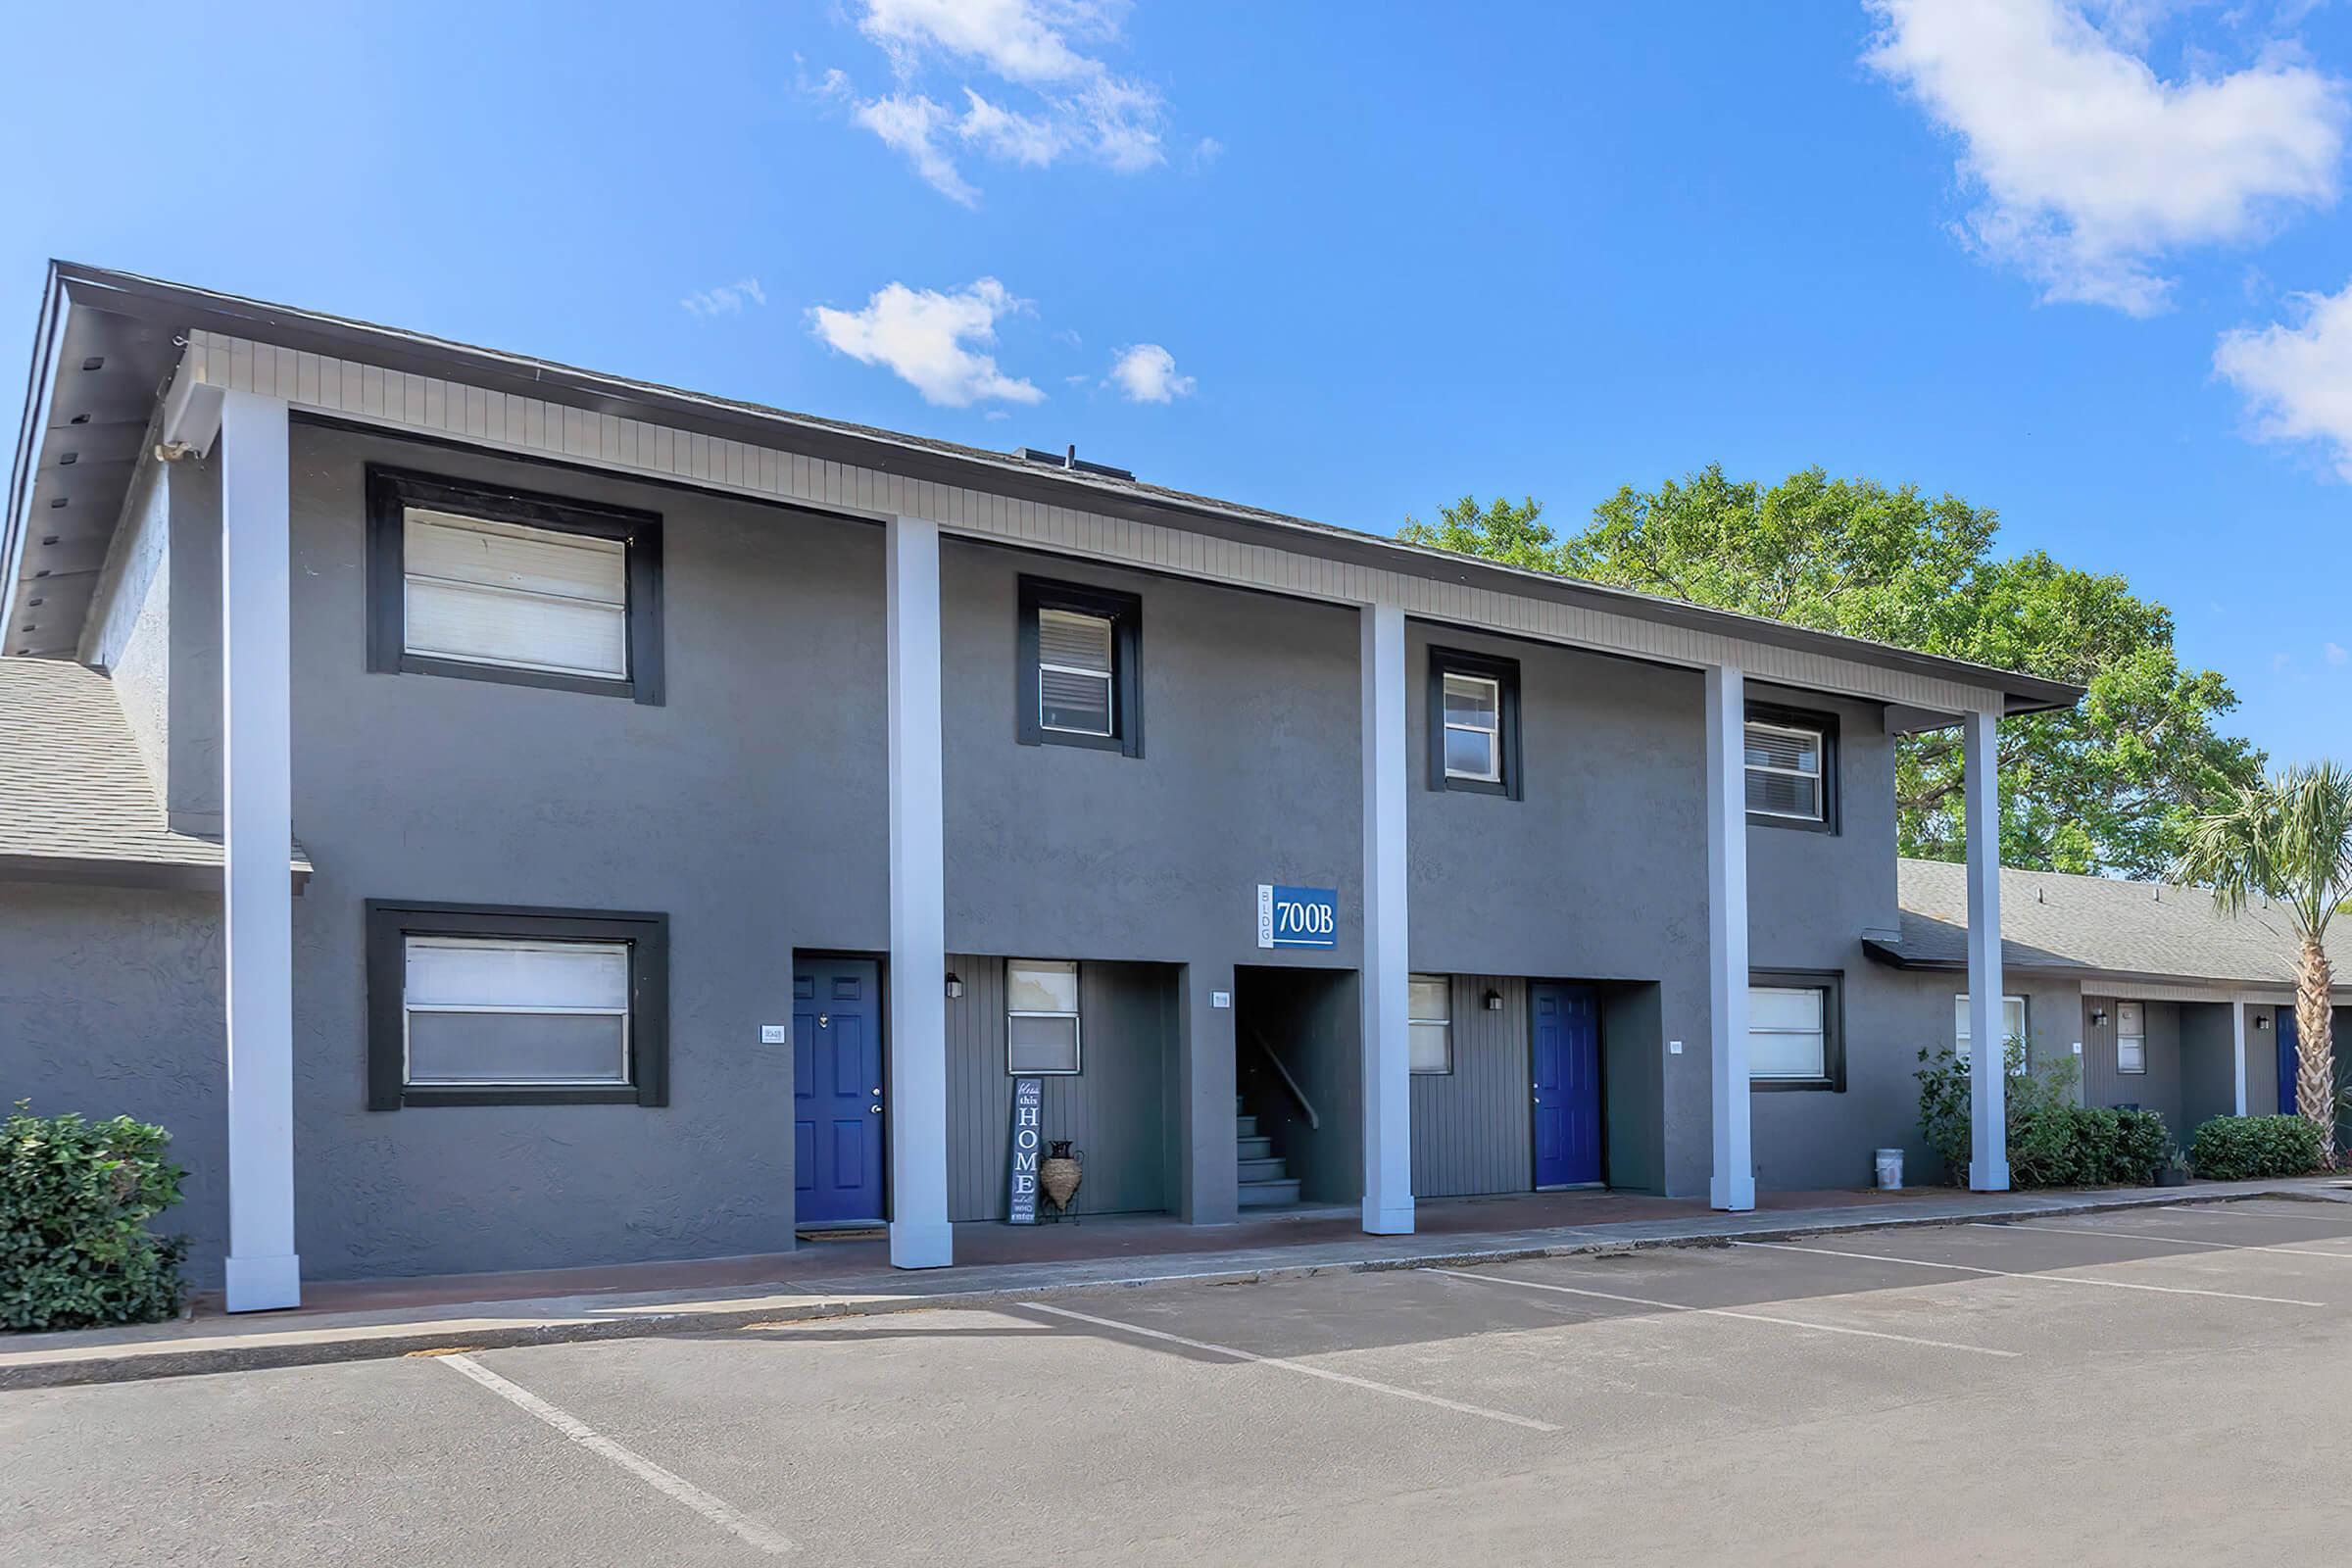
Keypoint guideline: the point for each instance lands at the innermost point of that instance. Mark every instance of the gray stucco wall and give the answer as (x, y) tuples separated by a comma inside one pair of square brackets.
[(111, 1004), (1116, 1109), (131, 627), (749, 807)]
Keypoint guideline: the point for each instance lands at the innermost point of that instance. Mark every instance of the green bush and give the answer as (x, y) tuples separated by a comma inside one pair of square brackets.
[(2052, 1140), (74, 1200), (2237, 1148)]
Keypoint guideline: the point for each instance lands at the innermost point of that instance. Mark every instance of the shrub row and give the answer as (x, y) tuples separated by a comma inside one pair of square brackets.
[(2052, 1140), (2237, 1148), (74, 1200)]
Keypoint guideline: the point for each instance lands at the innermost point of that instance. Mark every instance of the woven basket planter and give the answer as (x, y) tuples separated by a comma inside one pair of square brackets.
[(1058, 1175)]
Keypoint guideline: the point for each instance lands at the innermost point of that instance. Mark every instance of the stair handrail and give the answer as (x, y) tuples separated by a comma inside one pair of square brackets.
[(1314, 1121)]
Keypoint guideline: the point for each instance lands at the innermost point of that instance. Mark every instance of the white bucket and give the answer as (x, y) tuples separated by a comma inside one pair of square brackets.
[(1890, 1170)]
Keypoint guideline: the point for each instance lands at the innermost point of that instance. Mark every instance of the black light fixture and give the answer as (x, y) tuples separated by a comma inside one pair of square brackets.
[(2262, 1020), (1493, 1001), (2098, 1015), (955, 986)]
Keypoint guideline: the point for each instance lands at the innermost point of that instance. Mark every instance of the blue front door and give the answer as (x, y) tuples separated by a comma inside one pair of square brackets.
[(2284, 1029), (1567, 1079), (837, 1090)]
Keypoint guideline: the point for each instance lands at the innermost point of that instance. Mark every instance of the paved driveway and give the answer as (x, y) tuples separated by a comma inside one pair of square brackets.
[(2154, 1386)]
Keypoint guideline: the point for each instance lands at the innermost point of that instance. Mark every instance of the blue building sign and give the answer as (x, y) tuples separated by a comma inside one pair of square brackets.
[(1297, 918)]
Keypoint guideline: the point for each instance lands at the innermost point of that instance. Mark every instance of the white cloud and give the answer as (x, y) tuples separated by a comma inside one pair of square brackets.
[(1146, 374), (2334, 654), (924, 338), (727, 299), (2297, 380), (1056, 101), (2090, 166), (911, 125)]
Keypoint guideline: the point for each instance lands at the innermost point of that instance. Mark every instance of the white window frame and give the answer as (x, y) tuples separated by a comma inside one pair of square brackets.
[(1494, 734), (1823, 1000), (2137, 1061), (409, 1009), (1960, 1040), (1445, 983), (1077, 1025), (1109, 675), (493, 528), (1819, 775)]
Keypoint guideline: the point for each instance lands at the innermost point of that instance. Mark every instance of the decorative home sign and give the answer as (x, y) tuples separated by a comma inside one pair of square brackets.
[(1297, 917), (1028, 1105)]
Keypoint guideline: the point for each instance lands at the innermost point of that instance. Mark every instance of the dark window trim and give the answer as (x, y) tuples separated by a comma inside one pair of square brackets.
[(1833, 1025), (1125, 613), (391, 921), (390, 490), (1505, 672), (1797, 719)]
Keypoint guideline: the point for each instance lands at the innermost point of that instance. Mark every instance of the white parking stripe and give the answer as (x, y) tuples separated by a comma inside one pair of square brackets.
[(2169, 1241), (1300, 1367), (2011, 1274), (727, 1518), (1721, 1311), (2287, 1211)]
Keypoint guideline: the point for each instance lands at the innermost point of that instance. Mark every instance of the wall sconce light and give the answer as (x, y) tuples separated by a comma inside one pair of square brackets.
[(1493, 1001), (2098, 1015), (955, 986), (2262, 1020)]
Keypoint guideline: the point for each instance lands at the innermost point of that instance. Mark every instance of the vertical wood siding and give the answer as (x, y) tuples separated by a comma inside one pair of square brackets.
[(1474, 1128), (2159, 1087), (1115, 1109)]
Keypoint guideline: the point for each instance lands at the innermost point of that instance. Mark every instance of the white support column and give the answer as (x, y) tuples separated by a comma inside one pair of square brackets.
[(919, 1234), (1732, 1184), (257, 838), (1988, 1076), (2237, 1053), (1388, 1059)]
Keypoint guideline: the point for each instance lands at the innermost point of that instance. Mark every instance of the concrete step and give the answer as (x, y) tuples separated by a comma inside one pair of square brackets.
[(1256, 1147), (1269, 1194), (1265, 1170), (1246, 1126)]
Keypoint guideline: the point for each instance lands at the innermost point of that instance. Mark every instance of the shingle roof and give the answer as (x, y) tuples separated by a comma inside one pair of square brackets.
[(2050, 921), (75, 795)]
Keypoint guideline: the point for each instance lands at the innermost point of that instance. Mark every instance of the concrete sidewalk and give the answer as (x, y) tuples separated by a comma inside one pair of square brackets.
[(219, 1344)]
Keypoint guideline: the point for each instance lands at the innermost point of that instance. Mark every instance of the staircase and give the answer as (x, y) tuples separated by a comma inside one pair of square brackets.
[(1267, 1181)]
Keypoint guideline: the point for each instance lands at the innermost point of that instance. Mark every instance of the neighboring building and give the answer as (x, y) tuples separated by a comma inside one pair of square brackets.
[(499, 816), (2169, 1005)]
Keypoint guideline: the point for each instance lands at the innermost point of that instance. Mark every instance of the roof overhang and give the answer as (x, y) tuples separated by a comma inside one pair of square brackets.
[(135, 325)]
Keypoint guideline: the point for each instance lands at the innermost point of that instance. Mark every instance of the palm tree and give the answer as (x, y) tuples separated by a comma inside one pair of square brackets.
[(2290, 839)]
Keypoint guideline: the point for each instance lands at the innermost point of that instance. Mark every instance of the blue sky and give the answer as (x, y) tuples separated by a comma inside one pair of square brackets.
[(2089, 267)]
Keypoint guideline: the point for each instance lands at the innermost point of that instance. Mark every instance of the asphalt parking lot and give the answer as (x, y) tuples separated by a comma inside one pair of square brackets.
[(2162, 1384)]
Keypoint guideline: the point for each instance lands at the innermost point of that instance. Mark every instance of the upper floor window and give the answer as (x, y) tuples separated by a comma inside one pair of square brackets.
[(1791, 767), (491, 584), (471, 1005), (1473, 722), (1079, 676)]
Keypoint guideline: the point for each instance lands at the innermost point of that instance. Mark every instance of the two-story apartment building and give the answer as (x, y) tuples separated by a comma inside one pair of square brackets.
[(501, 815)]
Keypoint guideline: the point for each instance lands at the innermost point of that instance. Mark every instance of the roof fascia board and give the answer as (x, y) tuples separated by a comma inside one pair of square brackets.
[(882, 452), (49, 335)]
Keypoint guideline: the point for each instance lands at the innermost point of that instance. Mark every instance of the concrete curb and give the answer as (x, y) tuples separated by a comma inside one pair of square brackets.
[(463, 1329)]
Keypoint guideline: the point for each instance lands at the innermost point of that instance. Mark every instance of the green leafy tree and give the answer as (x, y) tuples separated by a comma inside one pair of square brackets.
[(2109, 786), (2290, 839)]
